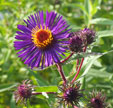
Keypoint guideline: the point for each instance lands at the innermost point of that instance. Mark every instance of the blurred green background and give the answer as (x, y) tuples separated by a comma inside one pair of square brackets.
[(97, 71)]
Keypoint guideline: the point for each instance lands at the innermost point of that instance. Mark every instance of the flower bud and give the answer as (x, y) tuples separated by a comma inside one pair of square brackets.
[(24, 91), (87, 35), (75, 44), (96, 100), (71, 94), (81, 39)]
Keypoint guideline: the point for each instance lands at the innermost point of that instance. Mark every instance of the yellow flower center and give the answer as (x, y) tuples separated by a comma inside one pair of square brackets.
[(41, 37)]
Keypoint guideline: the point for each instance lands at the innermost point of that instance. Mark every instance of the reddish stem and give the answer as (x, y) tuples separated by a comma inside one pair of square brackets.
[(59, 67), (79, 68), (67, 57), (37, 93), (75, 107), (77, 64)]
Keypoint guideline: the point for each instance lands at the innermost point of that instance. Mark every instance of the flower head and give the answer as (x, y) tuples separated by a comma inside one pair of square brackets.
[(75, 43), (81, 39), (87, 35), (71, 94), (23, 92), (96, 100), (41, 42)]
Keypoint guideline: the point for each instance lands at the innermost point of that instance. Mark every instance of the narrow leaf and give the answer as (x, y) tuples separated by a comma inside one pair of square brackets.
[(105, 33), (47, 89), (102, 21), (5, 87)]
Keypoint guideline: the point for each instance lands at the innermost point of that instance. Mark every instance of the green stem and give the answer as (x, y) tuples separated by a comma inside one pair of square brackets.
[(27, 103)]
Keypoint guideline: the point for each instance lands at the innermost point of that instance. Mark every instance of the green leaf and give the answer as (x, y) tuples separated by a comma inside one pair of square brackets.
[(41, 103), (6, 4), (102, 21), (104, 86), (75, 5), (99, 73), (8, 55), (82, 8), (105, 33), (81, 55), (92, 60), (87, 8), (38, 77), (47, 89), (96, 5), (83, 83), (5, 87), (12, 102)]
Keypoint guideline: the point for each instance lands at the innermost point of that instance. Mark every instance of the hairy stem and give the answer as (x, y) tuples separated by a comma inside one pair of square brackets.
[(37, 93), (79, 68), (77, 64), (67, 57), (75, 107), (59, 67)]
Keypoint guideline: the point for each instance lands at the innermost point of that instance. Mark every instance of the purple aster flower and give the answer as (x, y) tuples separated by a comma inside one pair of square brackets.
[(42, 42)]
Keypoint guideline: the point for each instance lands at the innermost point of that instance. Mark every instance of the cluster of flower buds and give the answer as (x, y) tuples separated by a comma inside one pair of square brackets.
[(81, 39), (75, 43), (70, 95)]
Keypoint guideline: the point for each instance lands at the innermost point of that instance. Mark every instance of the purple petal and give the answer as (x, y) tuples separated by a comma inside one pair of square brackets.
[(27, 52), (32, 56), (61, 35), (54, 56), (21, 44), (20, 33), (37, 19), (33, 19), (60, 51), (29, 24), (24, 37), (38, 60), (41, 18), (24, 28)]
